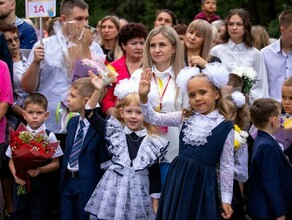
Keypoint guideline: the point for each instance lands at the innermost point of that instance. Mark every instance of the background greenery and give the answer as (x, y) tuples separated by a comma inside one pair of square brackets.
[(264, 12)]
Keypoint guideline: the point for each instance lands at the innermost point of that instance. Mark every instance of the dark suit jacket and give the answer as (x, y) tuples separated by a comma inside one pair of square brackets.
[(92, 154), (270, 182)]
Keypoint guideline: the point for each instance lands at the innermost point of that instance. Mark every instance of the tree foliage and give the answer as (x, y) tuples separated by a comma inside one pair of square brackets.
[(262, 12)]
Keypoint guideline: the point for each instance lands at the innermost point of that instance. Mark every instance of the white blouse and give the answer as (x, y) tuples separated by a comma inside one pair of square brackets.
[(212, 119), (233, 55)]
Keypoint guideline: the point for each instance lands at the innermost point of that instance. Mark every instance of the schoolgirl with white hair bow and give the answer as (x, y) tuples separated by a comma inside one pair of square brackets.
[(130, 187), (206, 140)]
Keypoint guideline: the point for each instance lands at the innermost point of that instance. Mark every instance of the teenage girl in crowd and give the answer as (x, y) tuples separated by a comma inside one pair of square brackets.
[(165, 17), (206, 139), (237, 50)]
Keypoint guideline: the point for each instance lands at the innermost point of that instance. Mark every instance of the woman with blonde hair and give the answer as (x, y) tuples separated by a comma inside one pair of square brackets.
[(198, 43), (109, 30), (261, 37), (163, 53)]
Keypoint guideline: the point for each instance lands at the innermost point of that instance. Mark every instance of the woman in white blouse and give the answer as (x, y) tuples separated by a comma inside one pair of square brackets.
[(164, 54), (237, 50)]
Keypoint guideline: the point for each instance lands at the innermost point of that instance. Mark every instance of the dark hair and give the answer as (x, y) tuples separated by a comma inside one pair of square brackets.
[(244, 15), (36, 98), (171, 13), (285, 18), (180, 29), (8, 28), (130, 31), (262, 109), (66, 6)]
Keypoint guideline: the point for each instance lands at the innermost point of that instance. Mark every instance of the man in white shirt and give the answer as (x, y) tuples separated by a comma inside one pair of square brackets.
[(47, 70), (278, 57)]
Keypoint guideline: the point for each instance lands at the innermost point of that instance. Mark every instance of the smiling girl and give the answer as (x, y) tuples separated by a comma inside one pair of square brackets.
[(130, 187)]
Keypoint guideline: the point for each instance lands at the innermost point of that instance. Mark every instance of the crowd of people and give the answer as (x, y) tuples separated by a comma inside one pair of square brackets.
[(183, 121)]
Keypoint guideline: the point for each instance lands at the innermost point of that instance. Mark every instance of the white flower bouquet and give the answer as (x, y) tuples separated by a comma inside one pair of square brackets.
[(248, 76)]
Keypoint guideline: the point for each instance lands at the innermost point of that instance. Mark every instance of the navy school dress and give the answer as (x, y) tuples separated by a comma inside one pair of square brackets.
[(191, 189)]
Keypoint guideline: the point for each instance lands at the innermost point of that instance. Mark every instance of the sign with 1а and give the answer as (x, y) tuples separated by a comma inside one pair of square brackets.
[(40, 8)]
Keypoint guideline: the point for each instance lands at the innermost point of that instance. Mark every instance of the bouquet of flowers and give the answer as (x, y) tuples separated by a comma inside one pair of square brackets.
[(98, 67), (240, 137), (248, 76), (29, 151)]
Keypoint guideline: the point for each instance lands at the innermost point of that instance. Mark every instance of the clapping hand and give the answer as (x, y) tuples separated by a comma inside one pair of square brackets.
[(145, 85)]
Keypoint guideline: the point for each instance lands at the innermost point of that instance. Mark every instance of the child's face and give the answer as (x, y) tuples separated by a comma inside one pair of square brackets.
[(35, 115), (202, 95), (76, 102), (209, 6), (133, 117), (287, 99)]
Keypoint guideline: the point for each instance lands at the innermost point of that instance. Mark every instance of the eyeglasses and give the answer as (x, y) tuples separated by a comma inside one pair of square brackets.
[(11, 40)]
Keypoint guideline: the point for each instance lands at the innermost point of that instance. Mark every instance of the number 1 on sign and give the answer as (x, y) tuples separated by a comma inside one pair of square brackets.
[(39, 9)]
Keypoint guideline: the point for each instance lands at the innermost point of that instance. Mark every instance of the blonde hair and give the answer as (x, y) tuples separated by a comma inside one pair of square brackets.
[(133, 98), (177, 59), (242, 118), (206, 30), (288, 82), (117, 49), (261, 37), (83, 86)]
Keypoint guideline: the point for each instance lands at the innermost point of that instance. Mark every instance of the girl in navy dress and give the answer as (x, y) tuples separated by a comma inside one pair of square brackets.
[(130, 187), (206, 140)]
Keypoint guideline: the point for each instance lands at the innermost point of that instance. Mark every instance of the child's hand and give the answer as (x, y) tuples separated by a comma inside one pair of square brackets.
[(33, 173), (227, 210), (96, 81), (19, 181), (145, 85)]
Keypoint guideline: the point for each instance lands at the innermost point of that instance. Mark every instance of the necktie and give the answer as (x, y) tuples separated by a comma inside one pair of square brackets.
[(73, 159)]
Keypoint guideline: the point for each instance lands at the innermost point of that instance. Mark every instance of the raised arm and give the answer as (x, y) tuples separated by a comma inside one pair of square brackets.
[(31, 77), (145, 85)]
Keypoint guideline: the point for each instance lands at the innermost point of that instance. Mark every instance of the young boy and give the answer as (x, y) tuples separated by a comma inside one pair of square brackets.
[(269, 194), (34, 204), (208, 12), (84, 152)]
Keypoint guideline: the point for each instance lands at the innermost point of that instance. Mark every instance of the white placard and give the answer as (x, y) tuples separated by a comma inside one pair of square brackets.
[(40, 8)]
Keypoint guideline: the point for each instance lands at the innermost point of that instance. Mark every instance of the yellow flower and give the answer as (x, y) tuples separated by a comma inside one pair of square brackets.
[(236, 128), (236, 144)]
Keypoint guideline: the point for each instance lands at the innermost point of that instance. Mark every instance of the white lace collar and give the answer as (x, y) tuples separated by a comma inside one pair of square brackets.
[(140, 133), (199, 127)]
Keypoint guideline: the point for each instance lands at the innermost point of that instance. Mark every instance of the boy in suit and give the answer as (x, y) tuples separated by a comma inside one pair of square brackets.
[(269, 193), (84, 152)]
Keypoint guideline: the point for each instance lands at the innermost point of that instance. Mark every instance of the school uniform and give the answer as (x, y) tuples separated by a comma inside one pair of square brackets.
[(270, 182), (78, 182)]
